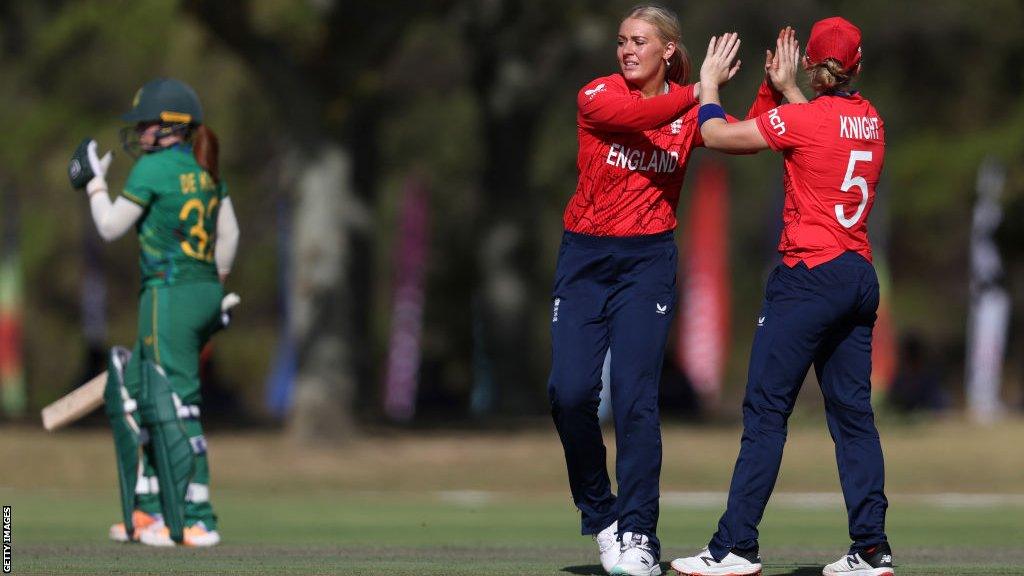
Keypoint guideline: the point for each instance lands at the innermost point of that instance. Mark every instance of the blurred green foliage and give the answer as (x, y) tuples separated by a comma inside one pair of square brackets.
[(946, 76)]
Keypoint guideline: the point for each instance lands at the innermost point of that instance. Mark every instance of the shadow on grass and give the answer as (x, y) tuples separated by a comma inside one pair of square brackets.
[(804, 571), (666, 568), (597, 570), (585, 569)]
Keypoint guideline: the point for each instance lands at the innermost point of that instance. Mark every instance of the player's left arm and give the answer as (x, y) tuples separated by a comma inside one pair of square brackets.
[(227, 238), (699, 141), (733, 137)]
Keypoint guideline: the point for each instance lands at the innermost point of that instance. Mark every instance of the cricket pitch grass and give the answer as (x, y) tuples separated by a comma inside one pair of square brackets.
[(497, 503)]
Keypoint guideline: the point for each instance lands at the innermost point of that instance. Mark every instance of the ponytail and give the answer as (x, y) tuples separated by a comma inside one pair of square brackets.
[(206, 150), (828, 76), (678, 64)]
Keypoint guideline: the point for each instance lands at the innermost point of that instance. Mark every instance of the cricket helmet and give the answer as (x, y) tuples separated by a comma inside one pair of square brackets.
[(165, 100), (169, 102)]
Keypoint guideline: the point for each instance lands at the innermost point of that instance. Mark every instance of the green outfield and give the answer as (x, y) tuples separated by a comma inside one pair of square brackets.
[(495, 504)]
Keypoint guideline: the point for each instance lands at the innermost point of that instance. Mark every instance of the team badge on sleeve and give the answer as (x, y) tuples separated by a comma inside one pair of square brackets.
[(595, 90)]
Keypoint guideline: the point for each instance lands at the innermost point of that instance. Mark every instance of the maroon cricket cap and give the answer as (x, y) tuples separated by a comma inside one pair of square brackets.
[(836, 38)]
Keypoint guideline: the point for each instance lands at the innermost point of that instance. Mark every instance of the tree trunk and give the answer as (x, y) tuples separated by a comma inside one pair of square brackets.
[(511, 75), (326, 219)]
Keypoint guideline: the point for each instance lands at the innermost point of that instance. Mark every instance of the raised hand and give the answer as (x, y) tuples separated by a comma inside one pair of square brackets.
[(782, 66), (719, 66), (99, 166)]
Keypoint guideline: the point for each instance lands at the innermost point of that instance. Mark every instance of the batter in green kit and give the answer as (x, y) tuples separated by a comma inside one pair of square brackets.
[(188, 236), (179, 307)]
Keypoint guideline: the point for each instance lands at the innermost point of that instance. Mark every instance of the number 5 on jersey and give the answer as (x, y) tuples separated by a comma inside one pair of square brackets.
[(203, 249), (850, 182)]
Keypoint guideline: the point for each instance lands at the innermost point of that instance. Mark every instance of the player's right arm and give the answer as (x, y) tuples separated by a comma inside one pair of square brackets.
[(780, 75), (781, 69), (606, 105), (112, 219)]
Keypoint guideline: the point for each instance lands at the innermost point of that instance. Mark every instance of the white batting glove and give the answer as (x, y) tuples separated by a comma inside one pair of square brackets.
[(226, 304), (99, 169)]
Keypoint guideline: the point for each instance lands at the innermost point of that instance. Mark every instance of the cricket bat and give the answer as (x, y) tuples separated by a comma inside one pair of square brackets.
[(75, 404)]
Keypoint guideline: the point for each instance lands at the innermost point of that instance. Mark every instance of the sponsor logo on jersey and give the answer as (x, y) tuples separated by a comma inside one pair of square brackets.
[(657, 160), (760, 320), (776, 121), (554, 311), (661, 308), (595, 90), (677, 125), (859, 128)]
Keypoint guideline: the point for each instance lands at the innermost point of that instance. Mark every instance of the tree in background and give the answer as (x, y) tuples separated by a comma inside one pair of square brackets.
[(521, 52), (326, 107), (319, 63)]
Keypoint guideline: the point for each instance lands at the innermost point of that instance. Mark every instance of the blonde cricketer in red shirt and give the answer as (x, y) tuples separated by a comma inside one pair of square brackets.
[(615, 282)]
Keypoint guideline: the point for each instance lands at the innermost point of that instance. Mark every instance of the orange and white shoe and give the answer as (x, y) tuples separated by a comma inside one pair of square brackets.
[(142, 522), (196, 535)]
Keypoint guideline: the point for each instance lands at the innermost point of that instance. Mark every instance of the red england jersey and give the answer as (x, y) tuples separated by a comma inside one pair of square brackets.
[(632, 156), (833, 147)]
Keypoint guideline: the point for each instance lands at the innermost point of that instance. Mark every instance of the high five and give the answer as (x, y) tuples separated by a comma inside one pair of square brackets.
[(820, 303)]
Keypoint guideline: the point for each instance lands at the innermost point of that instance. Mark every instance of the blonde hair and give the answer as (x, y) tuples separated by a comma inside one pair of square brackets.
[(666, 23), (828, 76)]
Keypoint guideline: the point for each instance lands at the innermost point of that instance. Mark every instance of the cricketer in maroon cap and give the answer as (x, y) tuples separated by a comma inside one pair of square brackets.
[(820, 302)]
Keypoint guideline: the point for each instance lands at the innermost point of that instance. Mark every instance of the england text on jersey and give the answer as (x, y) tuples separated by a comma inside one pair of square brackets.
[(632, 156), (661, 161)]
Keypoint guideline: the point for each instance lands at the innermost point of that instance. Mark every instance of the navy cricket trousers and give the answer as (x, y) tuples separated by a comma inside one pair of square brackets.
[(821, 316), (616, 293)]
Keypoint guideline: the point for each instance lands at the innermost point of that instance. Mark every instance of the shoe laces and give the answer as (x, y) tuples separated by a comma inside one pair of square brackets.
[(706, 557), (634, 540)]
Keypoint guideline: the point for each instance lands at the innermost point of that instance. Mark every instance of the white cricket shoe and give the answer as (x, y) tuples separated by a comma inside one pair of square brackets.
[(875, 561), (637, 558), (196, 536), (608, 546), (704, 564)]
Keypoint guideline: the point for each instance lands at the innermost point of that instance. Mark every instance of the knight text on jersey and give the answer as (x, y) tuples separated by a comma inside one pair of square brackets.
[(858, 127)]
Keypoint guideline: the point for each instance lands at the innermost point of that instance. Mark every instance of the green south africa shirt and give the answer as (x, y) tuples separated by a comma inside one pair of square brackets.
[(177, 230)]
